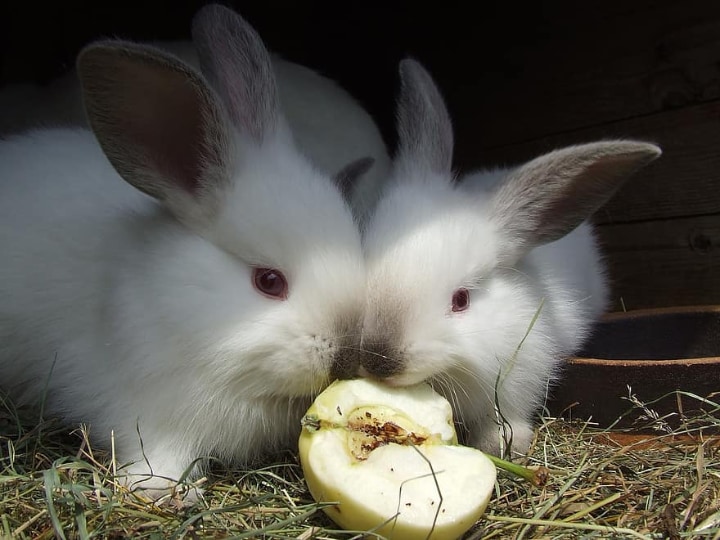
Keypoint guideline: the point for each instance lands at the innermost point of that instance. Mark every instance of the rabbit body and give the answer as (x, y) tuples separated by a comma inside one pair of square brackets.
[(197, 307)]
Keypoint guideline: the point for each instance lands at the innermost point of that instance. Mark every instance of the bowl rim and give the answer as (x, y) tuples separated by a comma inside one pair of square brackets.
[(643, 312), (649, 312)]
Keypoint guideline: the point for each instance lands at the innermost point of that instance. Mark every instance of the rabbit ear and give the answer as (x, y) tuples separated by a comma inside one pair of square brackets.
[(155, 118), (234, 59), (550, 196), (423, 122), (348, 176)]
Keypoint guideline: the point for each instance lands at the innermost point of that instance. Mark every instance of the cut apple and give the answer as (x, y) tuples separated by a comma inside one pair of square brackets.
[(389, 458)]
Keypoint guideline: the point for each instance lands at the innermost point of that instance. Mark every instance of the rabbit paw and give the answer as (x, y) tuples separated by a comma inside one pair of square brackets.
[(493, 440), (161, 491)]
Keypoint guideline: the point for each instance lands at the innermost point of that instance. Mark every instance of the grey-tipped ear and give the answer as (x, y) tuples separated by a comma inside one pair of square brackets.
[(346, 178), (548, 197), (155, 118), (236, 62), (423, 122)]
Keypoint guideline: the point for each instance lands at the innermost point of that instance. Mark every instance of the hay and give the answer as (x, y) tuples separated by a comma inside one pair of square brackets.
[(54, 484)]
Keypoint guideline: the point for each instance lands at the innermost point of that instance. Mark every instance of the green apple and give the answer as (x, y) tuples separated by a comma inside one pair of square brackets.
[(389, 458)]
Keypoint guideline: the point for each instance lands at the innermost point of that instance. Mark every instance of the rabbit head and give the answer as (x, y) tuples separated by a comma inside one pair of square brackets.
[(220, 158)]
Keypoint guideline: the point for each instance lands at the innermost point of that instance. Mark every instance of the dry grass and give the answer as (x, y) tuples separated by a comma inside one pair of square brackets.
[(54, 484)]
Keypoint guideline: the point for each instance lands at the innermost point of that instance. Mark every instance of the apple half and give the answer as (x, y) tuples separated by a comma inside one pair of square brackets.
[(389, 458)]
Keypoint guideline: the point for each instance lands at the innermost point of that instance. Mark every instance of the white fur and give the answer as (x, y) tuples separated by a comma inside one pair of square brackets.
[(417, 259), (430, 236), (135, 320), (423, 244)]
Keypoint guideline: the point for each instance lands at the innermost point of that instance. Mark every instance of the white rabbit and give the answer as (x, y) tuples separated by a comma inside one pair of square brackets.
[(201, 319), (458, 271), (329, 125)]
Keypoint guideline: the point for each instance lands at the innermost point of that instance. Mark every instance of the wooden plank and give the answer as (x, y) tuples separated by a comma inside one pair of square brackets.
[(663, 263), (685, 181), (591, 65)]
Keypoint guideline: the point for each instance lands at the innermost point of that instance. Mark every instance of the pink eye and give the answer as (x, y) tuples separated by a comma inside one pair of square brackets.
[(270, 282), (460, 300)]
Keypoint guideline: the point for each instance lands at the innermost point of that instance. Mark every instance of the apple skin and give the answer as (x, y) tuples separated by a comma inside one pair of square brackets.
[(389, 458)]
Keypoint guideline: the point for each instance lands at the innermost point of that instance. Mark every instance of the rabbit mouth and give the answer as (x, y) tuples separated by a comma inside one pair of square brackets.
[(344, 365), (395, 366), (397, 380)]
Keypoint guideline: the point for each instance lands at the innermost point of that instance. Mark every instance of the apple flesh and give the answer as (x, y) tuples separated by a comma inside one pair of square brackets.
[(388, 457)]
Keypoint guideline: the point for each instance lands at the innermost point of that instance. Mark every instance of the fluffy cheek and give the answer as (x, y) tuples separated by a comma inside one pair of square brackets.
[(266, 359), (469, 347), (498, 319)]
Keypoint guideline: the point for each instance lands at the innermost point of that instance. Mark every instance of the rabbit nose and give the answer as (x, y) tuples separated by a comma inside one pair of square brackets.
[(380, 360)]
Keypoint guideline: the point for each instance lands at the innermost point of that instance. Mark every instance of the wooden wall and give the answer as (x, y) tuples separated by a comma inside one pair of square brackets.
[(650, 70), (519, 80)]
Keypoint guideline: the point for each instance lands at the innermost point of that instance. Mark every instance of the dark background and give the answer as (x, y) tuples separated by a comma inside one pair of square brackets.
[(519, 79), (359, 44)]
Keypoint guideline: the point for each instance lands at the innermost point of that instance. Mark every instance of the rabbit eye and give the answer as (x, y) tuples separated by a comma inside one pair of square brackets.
[(460, 300), (271, 283)]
